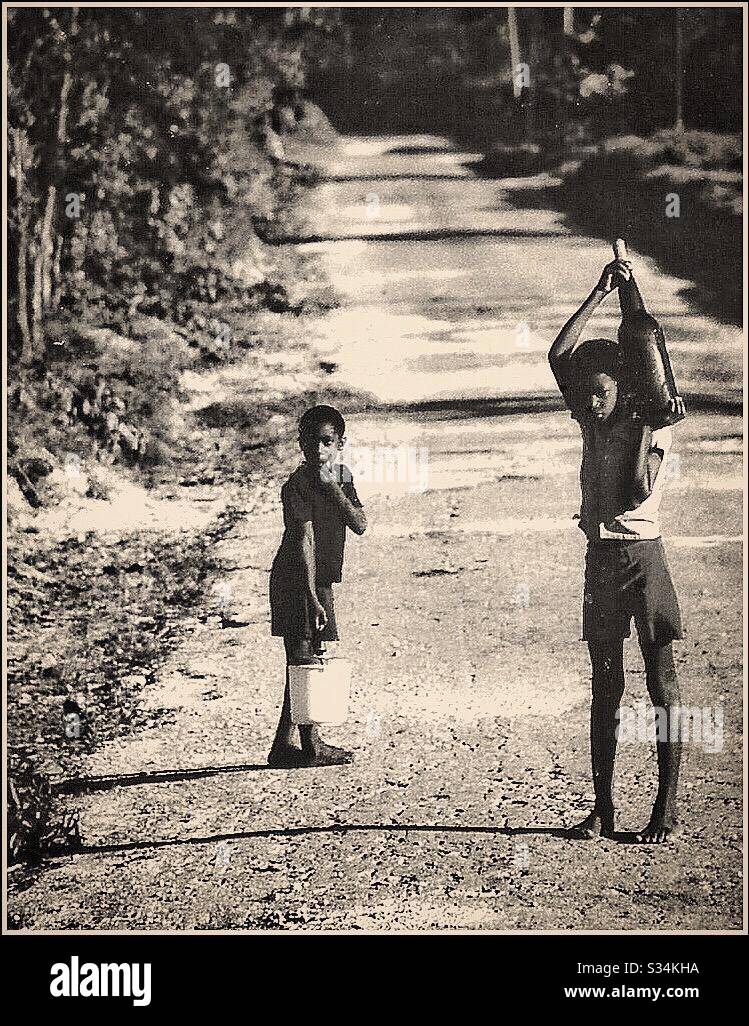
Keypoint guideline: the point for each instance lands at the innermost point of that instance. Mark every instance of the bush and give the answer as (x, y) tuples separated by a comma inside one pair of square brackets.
[(98, 488), (705, 150), (38, 824), (700, 149)]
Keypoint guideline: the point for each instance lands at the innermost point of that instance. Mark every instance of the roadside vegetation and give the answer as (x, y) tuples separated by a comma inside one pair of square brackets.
[(149, 181)]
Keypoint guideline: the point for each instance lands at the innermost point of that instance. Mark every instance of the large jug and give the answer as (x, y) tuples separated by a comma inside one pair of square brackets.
[(646, 368), (320, 693)]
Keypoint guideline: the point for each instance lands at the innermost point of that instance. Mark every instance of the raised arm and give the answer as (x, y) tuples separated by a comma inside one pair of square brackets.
[(567, 341)]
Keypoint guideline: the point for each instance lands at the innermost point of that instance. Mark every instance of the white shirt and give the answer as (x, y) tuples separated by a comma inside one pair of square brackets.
[(607, 459)]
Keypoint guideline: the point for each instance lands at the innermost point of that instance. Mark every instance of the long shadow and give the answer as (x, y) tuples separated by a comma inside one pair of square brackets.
[(425, 235), (704, 246), (415, 151), (394, 176), (107, 782), (334, 828), (714, 404), (458, 409)]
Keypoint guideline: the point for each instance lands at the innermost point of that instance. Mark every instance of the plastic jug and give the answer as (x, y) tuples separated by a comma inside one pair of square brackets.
[(320, 694)]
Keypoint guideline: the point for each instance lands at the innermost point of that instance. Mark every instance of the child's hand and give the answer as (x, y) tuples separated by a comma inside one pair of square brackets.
[(321, 617), (328, 474), (336, 473), (613, 274)]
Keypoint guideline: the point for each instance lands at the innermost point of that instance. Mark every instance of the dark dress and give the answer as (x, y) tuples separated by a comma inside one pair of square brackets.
[(303, 500)]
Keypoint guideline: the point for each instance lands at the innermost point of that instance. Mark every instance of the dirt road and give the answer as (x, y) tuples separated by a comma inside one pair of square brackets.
[(459, 609)]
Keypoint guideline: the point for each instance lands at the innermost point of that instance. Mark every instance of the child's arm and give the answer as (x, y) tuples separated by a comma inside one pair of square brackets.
[(647, 462), (567, 341), (353, 516), (306, 553), (645, 466)]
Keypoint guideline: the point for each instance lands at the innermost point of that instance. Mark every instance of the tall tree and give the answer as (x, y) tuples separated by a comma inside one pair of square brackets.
[(515, 58), (21, 161), (46, 245), (679, 71)]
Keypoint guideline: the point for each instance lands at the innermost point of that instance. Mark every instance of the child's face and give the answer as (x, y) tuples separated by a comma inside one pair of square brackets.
[(321, 444), (600, 397)]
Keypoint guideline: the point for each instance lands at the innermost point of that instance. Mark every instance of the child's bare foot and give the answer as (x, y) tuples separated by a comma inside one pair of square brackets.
[(326, 755), (284, 756), (597, 824), (663, 826)]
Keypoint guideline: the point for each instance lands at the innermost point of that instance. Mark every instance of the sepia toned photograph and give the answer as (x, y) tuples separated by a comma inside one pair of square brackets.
[(374, 481)]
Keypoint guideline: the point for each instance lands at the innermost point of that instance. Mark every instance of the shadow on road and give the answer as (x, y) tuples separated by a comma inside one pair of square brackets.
[(87, 785), (704, 247), (393, 176), (425, 235), (458, 409), (333, 828)]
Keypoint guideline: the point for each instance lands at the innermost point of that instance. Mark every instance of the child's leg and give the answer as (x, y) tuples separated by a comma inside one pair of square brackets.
[(316, 752), (663, 688), (607, 660), (285, 737), (285, 749)]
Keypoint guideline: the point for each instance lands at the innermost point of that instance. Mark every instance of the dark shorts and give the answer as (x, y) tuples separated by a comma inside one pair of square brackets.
[(625, 580), (291, 613)]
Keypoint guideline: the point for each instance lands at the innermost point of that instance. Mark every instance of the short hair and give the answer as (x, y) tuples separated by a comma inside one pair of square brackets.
[(597, 356), (318, 415)]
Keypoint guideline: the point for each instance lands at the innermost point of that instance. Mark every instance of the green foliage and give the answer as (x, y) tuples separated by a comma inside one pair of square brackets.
[(694, 149), (707, 150), (144, 140)]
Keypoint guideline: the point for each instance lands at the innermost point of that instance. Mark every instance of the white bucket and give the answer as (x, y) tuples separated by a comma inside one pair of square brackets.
[(320, 694)]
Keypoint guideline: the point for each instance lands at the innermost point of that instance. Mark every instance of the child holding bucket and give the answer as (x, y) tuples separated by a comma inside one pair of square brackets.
[(319, 503)]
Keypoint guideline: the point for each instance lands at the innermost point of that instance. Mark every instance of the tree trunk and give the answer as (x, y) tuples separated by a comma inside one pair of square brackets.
[(56, 276), (522, 88), (47, 247), (23, 292), (36, 299), (568, 21), (679, 62), (43, 262), (18, 174), (512, 25)]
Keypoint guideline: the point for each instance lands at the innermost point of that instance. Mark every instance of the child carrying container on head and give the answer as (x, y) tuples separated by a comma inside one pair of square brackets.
[(319, 503)]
